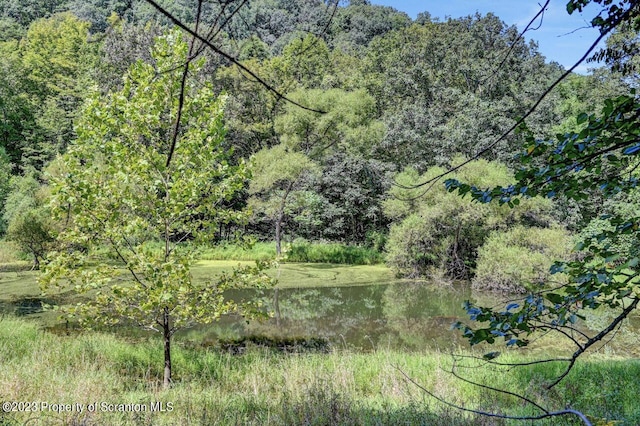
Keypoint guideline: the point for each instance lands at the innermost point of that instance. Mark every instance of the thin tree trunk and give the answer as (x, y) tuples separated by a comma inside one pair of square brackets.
[(278, 235), (280, 218), (167, 348)]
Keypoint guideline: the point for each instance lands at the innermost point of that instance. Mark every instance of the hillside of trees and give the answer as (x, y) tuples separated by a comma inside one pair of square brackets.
[(400, 100)]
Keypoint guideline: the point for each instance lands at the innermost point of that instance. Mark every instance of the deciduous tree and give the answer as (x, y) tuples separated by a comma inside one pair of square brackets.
[(118, 192)]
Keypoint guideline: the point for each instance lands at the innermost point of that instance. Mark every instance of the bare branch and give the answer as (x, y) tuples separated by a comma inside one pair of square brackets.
[(480, 385), (595, 339), (545, 415), (540, 14), (183, 85)]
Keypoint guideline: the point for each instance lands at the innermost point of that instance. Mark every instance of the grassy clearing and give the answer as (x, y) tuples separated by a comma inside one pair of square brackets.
[(265, 387)]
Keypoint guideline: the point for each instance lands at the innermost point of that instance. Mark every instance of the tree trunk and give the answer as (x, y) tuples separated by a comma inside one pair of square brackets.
[(167, 348), (280, 218), (36, 262), (278, 236)]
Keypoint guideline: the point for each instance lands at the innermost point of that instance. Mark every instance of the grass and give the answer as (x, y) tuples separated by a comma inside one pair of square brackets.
[(11, 258), (260, 251), (299, 251), (272, 388)]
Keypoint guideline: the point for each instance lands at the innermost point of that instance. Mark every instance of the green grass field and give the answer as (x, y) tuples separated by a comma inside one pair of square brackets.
[(273, 388)]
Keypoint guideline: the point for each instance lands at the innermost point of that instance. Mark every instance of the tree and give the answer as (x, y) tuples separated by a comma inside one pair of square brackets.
[(602, 157), (118, 192), (347, 125), (277, 175), (25, 12), (434, 233), (440, 92), (56, 57), (27, 217), (350, 191)]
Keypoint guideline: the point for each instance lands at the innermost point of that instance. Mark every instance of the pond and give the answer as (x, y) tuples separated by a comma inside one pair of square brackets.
[(356, 308), (399, 315)]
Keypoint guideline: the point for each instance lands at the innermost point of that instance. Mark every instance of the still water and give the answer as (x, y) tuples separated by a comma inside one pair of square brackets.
[(401, 315)]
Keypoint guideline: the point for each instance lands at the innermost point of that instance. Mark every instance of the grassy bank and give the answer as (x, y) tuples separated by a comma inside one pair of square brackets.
[(266, 387)]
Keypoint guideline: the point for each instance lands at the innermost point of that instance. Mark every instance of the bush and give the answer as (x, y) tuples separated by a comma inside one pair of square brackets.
[(438, 233), (519, 259)]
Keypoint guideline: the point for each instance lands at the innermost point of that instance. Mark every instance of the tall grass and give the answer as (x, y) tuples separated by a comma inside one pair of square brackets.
[(12, 259), (304, 251), (298, 251), (271, 388), (259, 251)]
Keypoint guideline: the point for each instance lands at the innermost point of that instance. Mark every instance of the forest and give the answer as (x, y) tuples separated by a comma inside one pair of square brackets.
[(140, 140)]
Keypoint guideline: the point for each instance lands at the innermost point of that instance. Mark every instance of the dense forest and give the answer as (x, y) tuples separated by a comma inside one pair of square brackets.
[(400, 100)]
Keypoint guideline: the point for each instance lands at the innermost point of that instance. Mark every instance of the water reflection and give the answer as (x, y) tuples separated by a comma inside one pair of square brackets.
[(402, 315)]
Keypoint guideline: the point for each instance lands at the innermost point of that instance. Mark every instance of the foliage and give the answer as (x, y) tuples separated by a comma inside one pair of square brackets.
[(305, 61), (356, 25), (120, 193), (56, 57), (348, 206), (277, 173), (518, 260), (440, 93), (25, 12), (303, 251), (264, 387), (5, 186), (436, 232), (28, 219), (348, 124), (602, 157)]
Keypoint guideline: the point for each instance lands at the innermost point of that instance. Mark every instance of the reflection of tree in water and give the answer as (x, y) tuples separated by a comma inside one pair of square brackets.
[(404, 315), (335, 313), (627, 338), (420, 314)]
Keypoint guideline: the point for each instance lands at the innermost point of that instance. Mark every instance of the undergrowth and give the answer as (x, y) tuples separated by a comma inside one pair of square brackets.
[(266, 386)]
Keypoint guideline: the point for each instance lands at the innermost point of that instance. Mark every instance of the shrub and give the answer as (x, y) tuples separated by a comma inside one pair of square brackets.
[(438, 233), (519, 259)]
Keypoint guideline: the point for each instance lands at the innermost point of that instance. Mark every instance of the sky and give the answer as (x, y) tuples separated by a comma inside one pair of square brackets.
[(561, 37)]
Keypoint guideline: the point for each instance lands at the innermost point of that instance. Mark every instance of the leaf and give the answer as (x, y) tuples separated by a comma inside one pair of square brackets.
[(491, 355), (512, 306), (554, 298), (582, 118), (631, 150)]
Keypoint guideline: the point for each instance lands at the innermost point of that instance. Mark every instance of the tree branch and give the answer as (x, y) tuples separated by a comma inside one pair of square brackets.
[(431, 182), (546, 415), (227, 56)]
